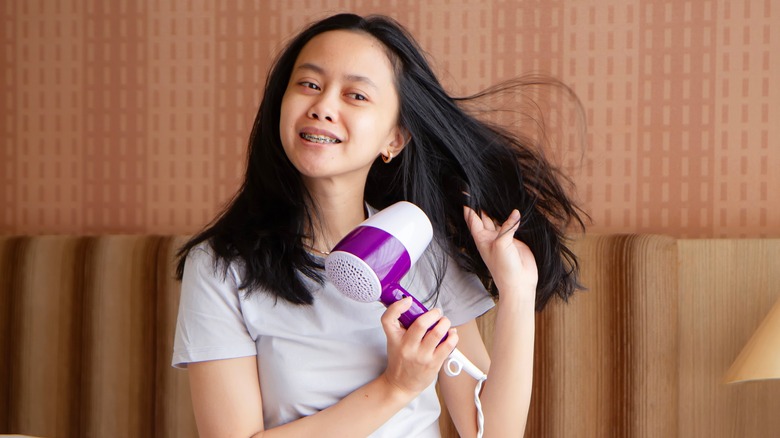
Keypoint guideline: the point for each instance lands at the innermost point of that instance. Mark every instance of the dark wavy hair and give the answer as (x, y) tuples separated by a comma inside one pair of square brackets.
[(450, 153)]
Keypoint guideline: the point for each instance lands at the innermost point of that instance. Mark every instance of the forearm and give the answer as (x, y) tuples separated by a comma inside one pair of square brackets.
[(506, 395), (357, 415), (414, 358)]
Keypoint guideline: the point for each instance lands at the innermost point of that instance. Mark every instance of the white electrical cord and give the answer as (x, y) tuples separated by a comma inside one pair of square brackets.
[(480, 417), (457, 362)]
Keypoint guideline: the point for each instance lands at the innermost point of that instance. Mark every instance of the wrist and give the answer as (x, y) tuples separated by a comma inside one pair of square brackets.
[(517, 298), (395, 393), (516, 291)]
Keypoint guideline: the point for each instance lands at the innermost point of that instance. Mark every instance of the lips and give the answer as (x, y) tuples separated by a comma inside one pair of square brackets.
[(321, 136)]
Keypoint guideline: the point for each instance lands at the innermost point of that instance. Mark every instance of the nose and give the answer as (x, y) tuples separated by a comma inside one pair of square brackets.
[(323, 108)]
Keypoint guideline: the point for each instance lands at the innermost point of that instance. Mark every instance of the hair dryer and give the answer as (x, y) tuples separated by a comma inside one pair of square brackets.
[(369, 262)]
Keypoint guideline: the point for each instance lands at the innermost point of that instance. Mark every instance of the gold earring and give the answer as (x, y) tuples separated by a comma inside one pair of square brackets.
[(387, 158)]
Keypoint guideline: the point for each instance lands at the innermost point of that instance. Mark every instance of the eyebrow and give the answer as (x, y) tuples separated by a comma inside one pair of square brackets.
[(350, 78)]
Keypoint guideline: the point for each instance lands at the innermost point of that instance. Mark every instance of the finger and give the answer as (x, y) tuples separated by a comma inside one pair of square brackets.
[(487, 222), (436, 334), (445, 348), (473, 222), (390, 317), (510, 225), (420, 327), (395, 310)]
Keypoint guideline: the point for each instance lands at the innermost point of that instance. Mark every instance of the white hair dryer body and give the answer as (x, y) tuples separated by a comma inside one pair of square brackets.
[(369, 262)]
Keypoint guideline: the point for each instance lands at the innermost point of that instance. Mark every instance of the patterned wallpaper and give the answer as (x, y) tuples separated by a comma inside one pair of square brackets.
[(133, 116)]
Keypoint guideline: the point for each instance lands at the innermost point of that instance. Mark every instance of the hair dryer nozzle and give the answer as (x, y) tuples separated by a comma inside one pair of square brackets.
[(379, 252)]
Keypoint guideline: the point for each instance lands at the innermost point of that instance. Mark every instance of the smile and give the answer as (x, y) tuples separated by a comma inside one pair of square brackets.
[(319, 138)]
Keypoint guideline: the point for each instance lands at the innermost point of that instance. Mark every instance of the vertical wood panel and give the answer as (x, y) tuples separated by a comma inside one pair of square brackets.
[(174, 415), (726, 289), (45, 350), (9, 270), (118, 372), (606, 362)]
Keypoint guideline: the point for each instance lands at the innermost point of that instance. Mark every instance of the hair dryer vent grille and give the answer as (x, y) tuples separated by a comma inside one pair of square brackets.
[(352, 277)]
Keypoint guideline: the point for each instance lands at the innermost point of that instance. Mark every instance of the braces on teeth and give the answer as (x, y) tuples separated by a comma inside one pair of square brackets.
[(319, 138)]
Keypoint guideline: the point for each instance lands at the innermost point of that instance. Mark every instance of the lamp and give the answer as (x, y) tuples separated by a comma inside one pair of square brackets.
[(760, 358)]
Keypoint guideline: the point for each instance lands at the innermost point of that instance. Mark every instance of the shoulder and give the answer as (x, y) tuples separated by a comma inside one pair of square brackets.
[(202, 262)]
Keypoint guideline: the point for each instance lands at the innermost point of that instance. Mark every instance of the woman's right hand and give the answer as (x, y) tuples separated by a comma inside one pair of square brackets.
[(415, 355)]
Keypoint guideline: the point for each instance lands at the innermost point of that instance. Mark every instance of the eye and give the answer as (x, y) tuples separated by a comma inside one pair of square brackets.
[(310, 85), (357, 96)]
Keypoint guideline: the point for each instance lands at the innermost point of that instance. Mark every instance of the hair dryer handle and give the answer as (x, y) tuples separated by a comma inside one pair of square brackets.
[(394, 292), (456, 360)]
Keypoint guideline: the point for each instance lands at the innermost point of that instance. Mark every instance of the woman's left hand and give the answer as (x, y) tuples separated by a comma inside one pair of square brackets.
[(510, 261)]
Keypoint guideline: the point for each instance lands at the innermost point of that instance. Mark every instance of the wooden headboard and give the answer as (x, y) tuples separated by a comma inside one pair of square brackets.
[(86, 333)]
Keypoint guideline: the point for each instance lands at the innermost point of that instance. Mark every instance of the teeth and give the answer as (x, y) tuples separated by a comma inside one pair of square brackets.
[(319, 138)]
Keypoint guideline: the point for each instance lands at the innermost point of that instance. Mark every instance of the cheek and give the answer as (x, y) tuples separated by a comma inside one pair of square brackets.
[(285, 117), (286, 126), (383, 126)]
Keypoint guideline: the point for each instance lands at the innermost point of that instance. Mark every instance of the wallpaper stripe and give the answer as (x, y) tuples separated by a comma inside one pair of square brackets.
[(133, 117)]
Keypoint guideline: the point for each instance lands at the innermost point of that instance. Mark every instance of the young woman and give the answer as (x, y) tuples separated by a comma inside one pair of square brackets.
[(353, 120)]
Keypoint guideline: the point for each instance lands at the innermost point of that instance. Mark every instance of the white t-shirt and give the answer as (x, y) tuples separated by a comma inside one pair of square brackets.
[(310, 356)]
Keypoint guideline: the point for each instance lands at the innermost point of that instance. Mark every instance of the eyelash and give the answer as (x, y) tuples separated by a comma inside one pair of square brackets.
[(313, 86)]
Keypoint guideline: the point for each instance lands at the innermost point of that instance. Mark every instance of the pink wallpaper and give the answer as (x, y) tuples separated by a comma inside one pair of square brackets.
[(132, 117)]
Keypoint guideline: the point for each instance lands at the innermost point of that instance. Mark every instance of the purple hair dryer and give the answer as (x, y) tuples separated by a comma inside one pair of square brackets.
[(369, 262)]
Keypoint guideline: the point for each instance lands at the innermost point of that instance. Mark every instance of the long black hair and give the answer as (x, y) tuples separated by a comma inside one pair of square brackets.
[(452, 158)]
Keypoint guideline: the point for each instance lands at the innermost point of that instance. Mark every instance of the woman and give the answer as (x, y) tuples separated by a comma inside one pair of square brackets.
[(353, 120)]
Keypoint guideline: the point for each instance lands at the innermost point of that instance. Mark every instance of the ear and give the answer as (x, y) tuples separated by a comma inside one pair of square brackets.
[(400, 138)]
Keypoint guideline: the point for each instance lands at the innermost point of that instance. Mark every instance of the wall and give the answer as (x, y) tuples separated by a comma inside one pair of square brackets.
[(132, 117)]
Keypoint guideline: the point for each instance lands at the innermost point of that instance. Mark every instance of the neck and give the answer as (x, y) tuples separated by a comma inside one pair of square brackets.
[(340, 212)]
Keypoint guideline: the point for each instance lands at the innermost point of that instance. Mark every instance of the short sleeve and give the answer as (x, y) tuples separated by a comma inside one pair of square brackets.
[(462, 295), (210, 323)]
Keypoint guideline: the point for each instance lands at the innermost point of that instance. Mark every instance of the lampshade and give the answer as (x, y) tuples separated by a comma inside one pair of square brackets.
[(760, 358)]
